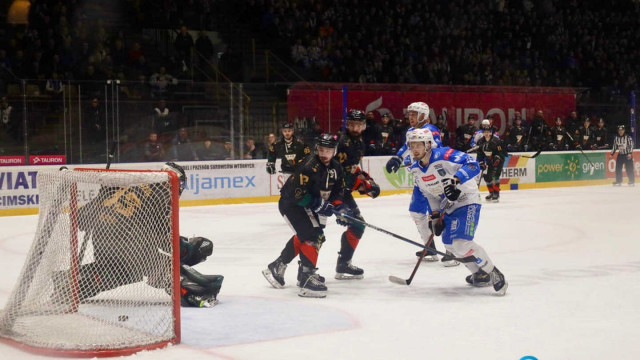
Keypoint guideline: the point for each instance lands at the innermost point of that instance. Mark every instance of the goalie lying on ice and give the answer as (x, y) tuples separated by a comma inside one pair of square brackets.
[(125, 252)]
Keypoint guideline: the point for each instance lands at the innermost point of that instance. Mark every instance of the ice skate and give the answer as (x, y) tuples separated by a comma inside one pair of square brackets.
[(479, 279), (310, 284), (489, 197), (345, 270), (428, 257), (274, 273), (496, 197), (617, 183), (500, 285), (448, 260), (313, 271)]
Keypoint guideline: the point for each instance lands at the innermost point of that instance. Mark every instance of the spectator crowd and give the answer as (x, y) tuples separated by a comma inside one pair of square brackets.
[(571, 43)]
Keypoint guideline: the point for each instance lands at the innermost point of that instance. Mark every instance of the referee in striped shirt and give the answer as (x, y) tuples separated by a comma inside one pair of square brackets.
[(624, 144)]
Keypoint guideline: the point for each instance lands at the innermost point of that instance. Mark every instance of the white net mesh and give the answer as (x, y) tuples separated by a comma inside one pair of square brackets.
[(100, 272)]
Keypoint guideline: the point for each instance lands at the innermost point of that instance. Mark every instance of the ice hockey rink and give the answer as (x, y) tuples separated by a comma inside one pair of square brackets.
[(570, 255)]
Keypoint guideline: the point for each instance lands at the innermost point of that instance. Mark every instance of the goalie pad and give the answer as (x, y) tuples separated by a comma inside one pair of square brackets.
[(194, 250), (198, 290)]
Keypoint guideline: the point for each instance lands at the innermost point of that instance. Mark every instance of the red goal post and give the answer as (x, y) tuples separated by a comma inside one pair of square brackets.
[(102, 277)]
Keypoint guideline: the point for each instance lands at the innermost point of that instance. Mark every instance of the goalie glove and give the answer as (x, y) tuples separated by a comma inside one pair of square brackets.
[(194, 250), (451, 190), (271, 168)]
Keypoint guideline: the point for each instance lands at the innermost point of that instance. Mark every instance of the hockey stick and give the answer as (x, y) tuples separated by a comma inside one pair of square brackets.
[(399, 281), (465, 259), (532, 156), (580, 148), (87, 235)]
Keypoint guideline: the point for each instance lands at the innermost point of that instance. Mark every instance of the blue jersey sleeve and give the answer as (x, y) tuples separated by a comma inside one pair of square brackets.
[(469, 168)]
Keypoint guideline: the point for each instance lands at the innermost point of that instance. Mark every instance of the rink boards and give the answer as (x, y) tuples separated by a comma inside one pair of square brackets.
[(246, 181)]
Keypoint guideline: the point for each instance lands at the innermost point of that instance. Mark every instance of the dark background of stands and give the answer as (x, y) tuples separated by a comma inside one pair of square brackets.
[(73, 51)]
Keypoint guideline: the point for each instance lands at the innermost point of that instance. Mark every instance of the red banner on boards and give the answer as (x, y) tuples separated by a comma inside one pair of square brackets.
[(11, 160), (47, 159), (324, 102)]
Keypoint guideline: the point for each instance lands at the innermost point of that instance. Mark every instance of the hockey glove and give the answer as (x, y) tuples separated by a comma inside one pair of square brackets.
[(322, 207), (394, 164), (271, 168), (496, 161), (366, 186), (371, 188), (340, 207), (450, 189), (483, 166)]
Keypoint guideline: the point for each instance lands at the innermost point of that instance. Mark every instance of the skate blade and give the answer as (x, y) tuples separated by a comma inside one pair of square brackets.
[(450, 263), (312, 294), (430, 258), (267, 275), (341, 276), (503, 290)]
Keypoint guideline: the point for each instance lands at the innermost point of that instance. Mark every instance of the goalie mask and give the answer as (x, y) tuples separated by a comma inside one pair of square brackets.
[(179, 171)]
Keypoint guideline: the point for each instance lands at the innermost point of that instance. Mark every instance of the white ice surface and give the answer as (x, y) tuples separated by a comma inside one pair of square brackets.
[(570, 256)]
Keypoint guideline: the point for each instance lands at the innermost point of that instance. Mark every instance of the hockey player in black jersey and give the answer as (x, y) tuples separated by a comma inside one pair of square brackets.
[(308, 197), (491, 155), (289, 149), (351, 149), (111, 220), (516, 135)]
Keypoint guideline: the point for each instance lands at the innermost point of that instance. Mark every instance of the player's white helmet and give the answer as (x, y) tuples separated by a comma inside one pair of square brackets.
[(420, 108), (422, 135)]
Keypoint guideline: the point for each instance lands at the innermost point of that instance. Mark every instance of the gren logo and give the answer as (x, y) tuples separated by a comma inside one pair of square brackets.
[(400, 179)]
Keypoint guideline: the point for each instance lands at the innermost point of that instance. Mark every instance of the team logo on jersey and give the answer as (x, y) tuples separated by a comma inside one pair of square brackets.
[(290, 157), (441, 170), (428, 178)]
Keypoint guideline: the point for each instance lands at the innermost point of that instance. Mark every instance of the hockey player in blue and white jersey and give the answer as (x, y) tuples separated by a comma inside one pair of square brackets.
[(479, 134), (447, 173), (418, 113)]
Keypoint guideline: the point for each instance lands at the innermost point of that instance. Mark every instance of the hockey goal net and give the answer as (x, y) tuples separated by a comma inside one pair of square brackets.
[(102, 275)]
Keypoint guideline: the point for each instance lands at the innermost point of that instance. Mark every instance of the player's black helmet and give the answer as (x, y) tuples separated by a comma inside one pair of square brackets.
[(327, 140), (287, 125), (182, 176), (356, 115)]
